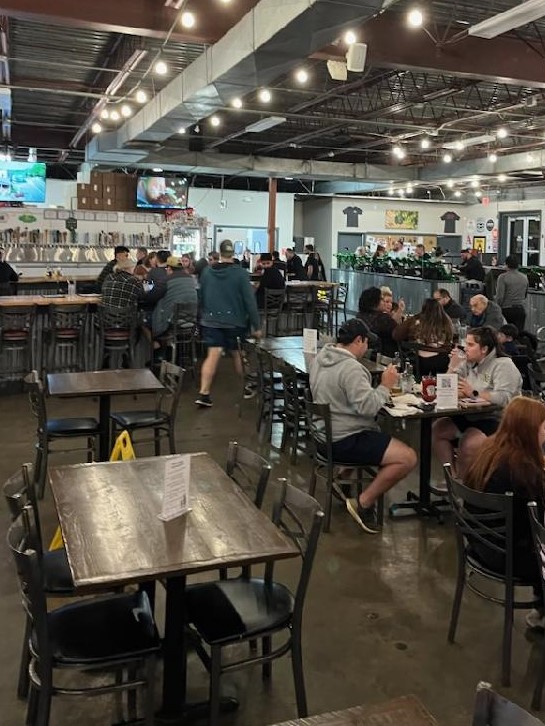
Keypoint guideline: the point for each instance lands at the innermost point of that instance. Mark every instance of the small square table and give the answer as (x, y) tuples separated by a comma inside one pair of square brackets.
[(108, 514), (103, 384)]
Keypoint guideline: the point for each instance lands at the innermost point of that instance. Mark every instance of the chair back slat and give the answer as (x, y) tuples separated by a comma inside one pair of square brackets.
[(292, 390), (172, 378), (319, 425), (36, 397), (249, 470), (20, 495)]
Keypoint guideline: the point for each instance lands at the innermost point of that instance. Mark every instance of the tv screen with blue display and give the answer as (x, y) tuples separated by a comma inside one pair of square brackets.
[(22, 181), (158, 192)]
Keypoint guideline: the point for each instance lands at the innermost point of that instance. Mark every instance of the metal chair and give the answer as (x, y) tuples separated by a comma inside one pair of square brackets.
[(274, 302), (484, 530), (16, 326), (229, 612), (249, 470), (325, 297), (92, 635), (20, 497), (323, 463), (491, 709), (294, 416), (50, 430), (117, 335), (339, 302), (66, 328), (183, 338), (536, 377), (538, 534), (162, 419), (299, 308), (269, 388)]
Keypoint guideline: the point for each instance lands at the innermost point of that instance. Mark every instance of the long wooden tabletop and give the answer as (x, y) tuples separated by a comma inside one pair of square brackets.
[(44, 300), (108, 513)]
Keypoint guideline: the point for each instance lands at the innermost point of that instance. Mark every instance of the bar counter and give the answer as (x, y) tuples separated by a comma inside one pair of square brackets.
[(414, 291)]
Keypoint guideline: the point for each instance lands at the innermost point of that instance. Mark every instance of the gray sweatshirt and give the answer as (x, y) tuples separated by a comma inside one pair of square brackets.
[(498, 376), (511, 289), (337, 378)]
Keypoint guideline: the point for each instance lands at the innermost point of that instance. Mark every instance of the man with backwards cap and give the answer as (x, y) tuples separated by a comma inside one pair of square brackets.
[(228, 309), (271, 279), (338, 379)]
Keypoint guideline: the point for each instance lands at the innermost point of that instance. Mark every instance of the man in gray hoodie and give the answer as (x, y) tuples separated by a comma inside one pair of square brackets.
[(338, 379)]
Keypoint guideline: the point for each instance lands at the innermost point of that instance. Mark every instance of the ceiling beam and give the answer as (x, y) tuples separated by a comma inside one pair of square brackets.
[(500, 60), (149, 18)]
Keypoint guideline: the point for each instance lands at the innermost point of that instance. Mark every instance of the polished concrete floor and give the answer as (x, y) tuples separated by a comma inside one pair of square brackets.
[(377, 608)]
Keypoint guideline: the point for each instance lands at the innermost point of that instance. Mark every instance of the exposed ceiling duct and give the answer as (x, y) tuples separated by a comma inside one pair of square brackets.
[(262, 46)]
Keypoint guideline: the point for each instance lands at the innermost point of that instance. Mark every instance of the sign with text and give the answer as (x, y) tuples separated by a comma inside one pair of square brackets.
[(310, 340), (176, 487), (447, 391)]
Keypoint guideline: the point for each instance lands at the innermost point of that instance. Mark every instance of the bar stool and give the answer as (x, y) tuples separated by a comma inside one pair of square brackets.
[(274, 302), (16, 325), (117, 331), (340, 297), (325, 298), (182, 338), (65, 337), (300, 306)]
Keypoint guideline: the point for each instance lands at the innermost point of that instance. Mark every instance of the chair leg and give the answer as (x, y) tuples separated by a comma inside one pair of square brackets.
[(90, 449), (157, 442), (538, 690), (507, 637), (295, 440), (312, 482), (149, 707), (328, 500), (44, 701), (131, 694), (266, 669), (32, 706), (460, 584), (215, 677), (172, 438), (298, 676), (24, 679), (42, 474)]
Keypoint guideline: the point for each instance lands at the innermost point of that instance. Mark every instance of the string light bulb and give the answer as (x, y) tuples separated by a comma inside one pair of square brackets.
[(188, 20), (161, 68), (96, 128), (141, 96)]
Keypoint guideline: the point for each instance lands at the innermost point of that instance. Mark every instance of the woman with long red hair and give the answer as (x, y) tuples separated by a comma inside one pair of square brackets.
[(512, 461)]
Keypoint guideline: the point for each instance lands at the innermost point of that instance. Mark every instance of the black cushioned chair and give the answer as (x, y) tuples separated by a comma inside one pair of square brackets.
[(484, 532), (115, 633), (162, 419), (491, 709), (54, 429), (229, 612)]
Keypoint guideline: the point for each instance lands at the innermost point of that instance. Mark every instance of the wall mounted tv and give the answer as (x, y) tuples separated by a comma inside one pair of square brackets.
[(159, 192), (22, 181)]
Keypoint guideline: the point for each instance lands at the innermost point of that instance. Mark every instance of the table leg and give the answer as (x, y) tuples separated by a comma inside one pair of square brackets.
[(104, 423), (421, 504)]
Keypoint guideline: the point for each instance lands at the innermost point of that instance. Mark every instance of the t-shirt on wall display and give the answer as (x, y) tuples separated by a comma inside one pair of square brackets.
[(450, 219), (254, 239), (352, 216)]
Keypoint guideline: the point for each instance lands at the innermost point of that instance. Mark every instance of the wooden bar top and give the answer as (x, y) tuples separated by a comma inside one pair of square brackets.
[(28, 280), (403, 711), (103, 383), (108, 513), (45, 300)]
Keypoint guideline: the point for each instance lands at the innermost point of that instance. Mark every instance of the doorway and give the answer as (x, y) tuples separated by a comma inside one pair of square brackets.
[(349, 241), (523, 235)]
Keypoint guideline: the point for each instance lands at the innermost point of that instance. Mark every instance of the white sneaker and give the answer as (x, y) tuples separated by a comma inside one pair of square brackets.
[(535, 620)]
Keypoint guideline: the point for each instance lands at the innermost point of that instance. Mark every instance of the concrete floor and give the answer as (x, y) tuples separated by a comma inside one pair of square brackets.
[(377, 608)]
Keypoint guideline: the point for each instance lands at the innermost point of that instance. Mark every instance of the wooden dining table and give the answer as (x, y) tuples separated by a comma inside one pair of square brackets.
[(108, 515), (103, 384)]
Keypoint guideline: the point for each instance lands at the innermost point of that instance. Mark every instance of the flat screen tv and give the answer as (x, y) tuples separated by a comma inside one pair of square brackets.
[(158, 192), (22, 181)]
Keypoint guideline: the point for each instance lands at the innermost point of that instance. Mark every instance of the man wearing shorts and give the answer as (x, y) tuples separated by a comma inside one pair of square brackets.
[(228, 308), (338, 379)]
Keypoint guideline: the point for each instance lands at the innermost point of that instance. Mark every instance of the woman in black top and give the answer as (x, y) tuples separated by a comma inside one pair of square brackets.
[(379, 322), (512, 461)]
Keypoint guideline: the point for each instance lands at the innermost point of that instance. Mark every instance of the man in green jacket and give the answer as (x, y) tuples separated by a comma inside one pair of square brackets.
[(228, 309)]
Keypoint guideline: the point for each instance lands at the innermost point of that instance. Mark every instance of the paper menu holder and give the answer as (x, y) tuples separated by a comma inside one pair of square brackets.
[(176, 487), (310, 340), (446, 391)]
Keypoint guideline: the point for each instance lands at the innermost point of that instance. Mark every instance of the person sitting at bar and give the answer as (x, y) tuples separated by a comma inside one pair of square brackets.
[(432, 331), (294, 265), (7, 276), (157, 278), (271, 279), (337, 378), (180, 288), (512, 461), (450, 306), (213, 257), (120, 253), (484, 373), (420, 252), (485, 312), (144, 266), (121, 289), (471, 268), (387, 304), (379, 322), (187, 264)]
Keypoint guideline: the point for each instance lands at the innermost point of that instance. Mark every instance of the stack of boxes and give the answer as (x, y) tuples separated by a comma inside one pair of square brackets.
[(108, 191)]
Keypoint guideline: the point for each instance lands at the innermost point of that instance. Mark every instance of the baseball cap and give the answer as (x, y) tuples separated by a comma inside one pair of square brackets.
[(266, 257), (173, 261), (226, 248), (354, 327)]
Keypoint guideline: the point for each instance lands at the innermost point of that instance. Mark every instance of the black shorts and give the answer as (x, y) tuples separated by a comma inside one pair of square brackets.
[(488, 426), (226, 338), (365, 447)]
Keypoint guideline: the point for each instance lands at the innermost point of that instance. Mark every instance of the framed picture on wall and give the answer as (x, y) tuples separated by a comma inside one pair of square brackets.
[(479, 244), (401, 219)]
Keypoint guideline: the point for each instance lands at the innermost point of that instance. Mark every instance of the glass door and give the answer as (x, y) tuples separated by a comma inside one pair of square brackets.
[(524, 239)]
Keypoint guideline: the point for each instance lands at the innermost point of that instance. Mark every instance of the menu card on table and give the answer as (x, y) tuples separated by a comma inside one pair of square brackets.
[(310, 340), (446, 391), (176, 489)]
